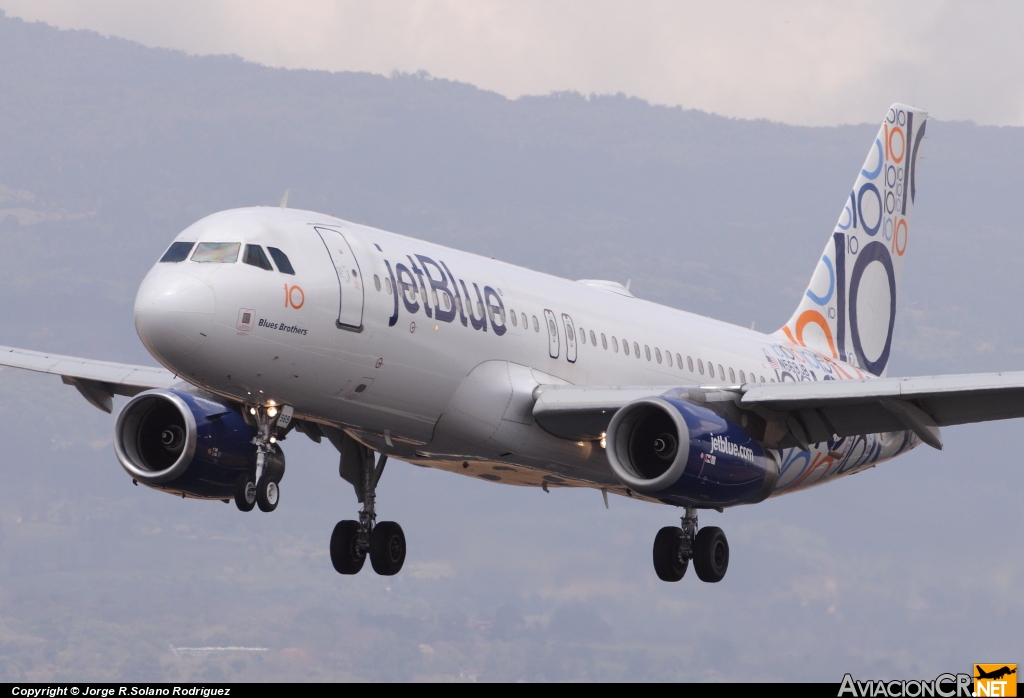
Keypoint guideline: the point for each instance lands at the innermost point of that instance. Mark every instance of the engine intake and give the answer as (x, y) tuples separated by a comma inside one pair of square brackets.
[(687, 454), (185, 443)]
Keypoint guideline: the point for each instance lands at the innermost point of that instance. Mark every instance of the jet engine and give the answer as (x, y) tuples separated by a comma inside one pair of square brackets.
[(686, 454), (187, 444)]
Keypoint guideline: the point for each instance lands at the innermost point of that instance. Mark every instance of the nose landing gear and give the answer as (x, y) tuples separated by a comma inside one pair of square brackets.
[(263, 486), (675, 547), (351, 541)]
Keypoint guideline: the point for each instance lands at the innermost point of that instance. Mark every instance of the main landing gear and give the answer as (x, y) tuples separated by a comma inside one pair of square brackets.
[(353, 540), (675, 547)]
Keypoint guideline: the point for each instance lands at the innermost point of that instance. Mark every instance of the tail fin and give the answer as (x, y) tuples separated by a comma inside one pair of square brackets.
[(849, 309)]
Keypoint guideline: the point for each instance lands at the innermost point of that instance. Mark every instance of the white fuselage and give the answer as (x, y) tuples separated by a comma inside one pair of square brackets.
[(374, 332)]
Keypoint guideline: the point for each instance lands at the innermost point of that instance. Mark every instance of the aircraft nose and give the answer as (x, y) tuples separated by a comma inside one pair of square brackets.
[(173, 315)]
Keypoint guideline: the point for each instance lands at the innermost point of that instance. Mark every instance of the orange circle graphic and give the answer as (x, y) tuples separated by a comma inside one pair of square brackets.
[(903, 145), (900, 223), (291, 297)]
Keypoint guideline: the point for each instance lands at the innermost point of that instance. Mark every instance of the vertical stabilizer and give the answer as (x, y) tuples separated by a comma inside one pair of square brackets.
[(849, 309)]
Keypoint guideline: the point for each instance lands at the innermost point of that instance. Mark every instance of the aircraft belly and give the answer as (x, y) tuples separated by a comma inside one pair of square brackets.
[(490, 418)]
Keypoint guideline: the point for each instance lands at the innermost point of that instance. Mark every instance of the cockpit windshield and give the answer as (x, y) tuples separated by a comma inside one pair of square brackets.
[(221, 252), (255, 256), (281, 259), (177, 252)]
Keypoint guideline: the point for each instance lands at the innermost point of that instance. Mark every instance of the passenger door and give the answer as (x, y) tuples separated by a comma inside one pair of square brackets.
[(350, 279)]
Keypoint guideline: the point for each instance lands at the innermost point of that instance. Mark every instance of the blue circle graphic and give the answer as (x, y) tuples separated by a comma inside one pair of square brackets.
[(881, 161), (831, 284), (873, 252), (869, 187)]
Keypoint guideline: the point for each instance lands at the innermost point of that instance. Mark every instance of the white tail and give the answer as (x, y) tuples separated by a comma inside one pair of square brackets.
[(849, 309)]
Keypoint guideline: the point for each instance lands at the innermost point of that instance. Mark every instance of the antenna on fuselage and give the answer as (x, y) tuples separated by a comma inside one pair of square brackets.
[(628, 282), (284, 199)]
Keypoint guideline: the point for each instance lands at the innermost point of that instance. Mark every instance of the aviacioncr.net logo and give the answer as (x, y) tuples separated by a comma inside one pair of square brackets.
[(943, 686)]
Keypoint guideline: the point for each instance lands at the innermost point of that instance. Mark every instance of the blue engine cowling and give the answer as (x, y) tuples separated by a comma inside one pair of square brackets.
[(685, 454), (185, 443)]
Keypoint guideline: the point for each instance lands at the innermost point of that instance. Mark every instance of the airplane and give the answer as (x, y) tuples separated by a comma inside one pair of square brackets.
[(274, 320), (994, 674)]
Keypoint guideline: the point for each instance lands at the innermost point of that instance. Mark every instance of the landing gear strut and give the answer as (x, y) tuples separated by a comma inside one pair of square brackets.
[(263, 486), (675, 547), (351, 541)]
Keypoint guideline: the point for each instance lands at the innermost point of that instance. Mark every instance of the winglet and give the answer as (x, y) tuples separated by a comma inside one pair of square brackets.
[(284, 199)]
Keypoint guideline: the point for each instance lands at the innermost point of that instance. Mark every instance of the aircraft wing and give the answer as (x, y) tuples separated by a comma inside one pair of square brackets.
[(582, 412), (921, 403), (808, 412), (97, 381)]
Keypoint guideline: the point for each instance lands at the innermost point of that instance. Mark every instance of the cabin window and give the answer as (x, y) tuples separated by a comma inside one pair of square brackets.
[(536, 324), (732, 375), (284, 265), (593, 339), (497, 314), (743, 377), (711, 369), (177, 252), (625, 347), (604, 341), (387, 285), (376, 282), (762, 379), (512, 313), (615, 344), (448, 303), (525, 323), (636, 351), (583, 336), (721, 373), (647, 351), (700, 366), (668, 357), (679, 360), (479, 307), (217, 252)]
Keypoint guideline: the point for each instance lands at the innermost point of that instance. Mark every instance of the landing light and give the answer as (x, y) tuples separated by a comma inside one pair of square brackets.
[(604, 442), (252, 410), (271, 411), (273, 439)]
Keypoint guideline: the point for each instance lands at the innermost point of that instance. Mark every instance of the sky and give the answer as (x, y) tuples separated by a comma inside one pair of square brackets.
[(804, 63)]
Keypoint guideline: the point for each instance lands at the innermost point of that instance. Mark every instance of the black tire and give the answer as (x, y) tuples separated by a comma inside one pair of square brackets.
[(345, 554), (711, 554), (268, 494), (387, 548), (245, 492), (667, 563)]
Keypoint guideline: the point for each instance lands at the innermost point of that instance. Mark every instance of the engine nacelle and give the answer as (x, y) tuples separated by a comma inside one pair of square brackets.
[(185, 443), (688, 455)]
